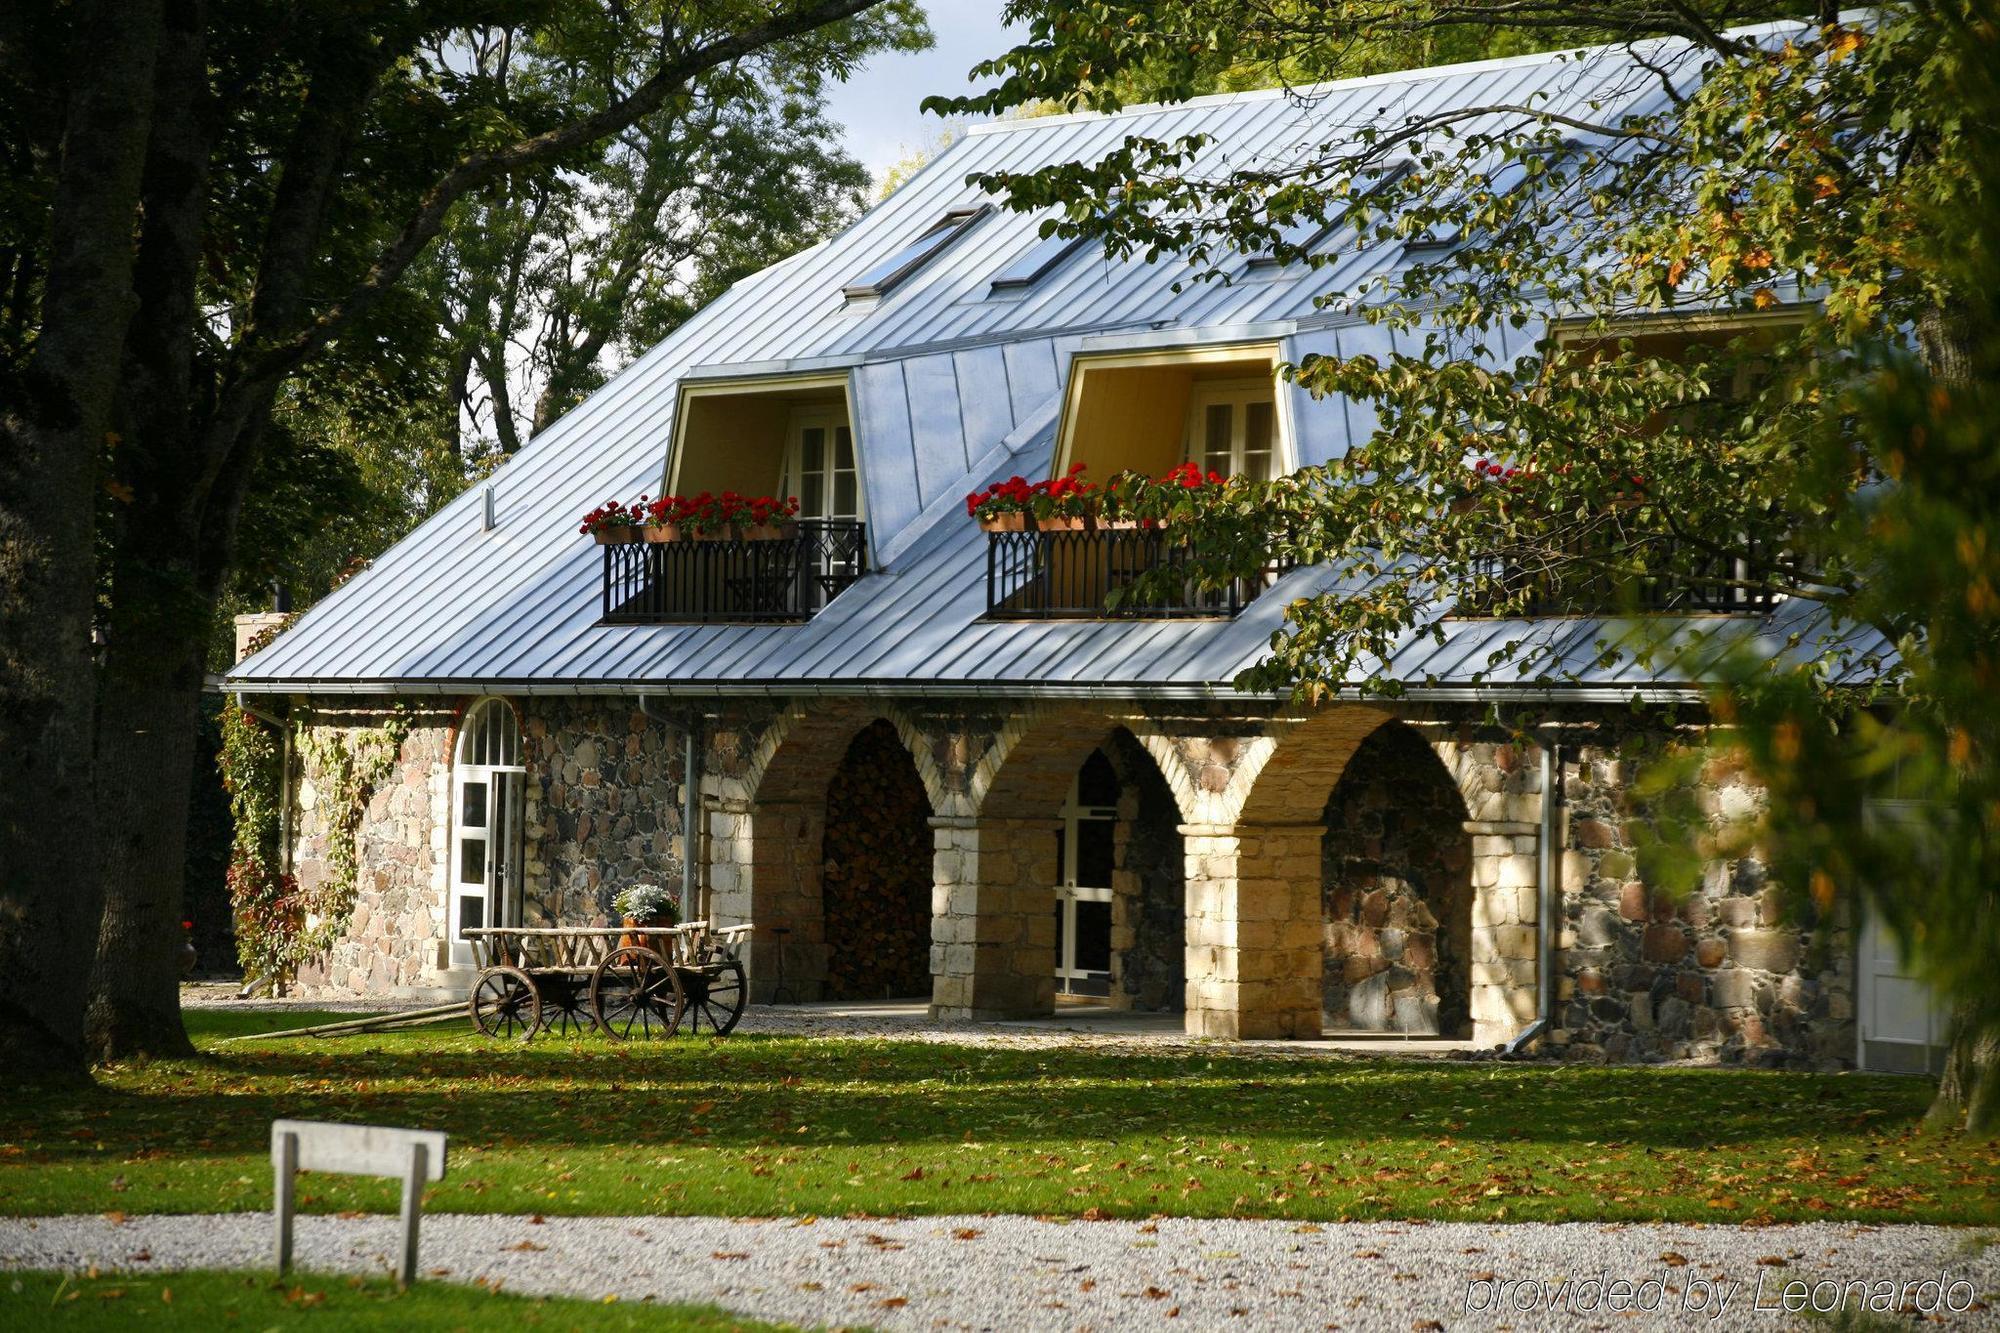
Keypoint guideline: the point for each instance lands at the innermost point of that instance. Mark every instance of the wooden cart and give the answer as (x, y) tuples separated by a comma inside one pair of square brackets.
[(627, 982)]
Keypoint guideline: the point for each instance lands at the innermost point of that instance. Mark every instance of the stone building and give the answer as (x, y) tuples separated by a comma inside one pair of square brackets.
[(1106, 818)]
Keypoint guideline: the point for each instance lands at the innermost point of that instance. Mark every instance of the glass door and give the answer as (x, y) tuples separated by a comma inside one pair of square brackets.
[(488, 787), (1085, 856)]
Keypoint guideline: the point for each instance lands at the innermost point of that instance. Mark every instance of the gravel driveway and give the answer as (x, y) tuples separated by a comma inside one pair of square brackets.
[(1017, 1273)]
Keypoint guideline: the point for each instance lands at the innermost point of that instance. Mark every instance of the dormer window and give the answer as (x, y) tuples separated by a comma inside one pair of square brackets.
[(887, 275)]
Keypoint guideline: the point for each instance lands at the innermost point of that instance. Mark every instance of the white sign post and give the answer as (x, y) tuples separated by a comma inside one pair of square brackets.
[(412, 1155)]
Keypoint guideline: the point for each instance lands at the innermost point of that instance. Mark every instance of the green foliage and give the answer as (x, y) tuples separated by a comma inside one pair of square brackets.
[(263, 898), (1740, 241), (780, 1126), (346, 766), (278, 925)]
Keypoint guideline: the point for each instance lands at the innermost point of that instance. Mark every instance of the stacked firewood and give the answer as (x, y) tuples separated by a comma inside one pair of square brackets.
[(877, 877)]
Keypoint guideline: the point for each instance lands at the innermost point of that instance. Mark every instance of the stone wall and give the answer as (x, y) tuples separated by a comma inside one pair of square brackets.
[(1149, 911), (392, 938), (1397, 892), (603, 806), (1714, 972)]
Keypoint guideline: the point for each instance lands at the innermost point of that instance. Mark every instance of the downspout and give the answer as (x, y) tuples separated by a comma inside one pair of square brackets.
[(1548, 898), (692, 909)]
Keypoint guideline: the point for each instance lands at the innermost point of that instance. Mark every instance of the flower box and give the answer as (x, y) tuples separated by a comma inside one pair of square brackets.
[(616, 536), (768, 532), (661, 532), (1066, 523), (1006, 523)]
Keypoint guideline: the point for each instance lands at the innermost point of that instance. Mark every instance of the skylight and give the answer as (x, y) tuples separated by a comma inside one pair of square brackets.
[(1037, 263), (886, 275), (1305, 235)]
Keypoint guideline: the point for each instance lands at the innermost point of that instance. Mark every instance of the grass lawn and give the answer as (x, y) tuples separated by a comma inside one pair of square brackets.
[(755, 1125), (202, 1301)]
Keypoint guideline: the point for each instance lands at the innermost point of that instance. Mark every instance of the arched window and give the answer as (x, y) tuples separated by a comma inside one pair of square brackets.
[(487, 784)]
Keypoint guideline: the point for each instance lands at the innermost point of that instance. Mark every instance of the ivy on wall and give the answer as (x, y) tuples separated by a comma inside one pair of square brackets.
[(279, 926), (346, 767), (264, 901)]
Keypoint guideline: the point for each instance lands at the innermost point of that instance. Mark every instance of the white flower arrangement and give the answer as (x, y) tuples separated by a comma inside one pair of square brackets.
[(653, 904)]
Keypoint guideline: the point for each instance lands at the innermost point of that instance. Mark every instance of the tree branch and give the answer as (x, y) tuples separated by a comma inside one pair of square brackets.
[(484, 168)]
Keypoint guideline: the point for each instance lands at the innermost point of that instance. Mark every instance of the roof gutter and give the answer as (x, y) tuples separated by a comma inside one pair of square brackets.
[(1536, 692)]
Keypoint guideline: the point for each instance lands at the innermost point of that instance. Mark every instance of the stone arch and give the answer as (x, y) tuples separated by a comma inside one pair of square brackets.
[(767, 835), (1284, 776), (1397, 891), (997, 864)]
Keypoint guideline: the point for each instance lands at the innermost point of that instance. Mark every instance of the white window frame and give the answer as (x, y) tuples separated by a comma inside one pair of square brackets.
[(1237, 395), (1069, 893), (833, 418), (503, 862)]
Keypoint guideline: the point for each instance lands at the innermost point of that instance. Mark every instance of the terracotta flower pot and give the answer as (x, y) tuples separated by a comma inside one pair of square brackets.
[(1005, 523), (768, 532), (653, 942), (661, 532), (618, 536)]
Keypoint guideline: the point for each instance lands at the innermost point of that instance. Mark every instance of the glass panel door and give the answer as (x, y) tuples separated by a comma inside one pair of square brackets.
[(1233, 429), (820, 466)]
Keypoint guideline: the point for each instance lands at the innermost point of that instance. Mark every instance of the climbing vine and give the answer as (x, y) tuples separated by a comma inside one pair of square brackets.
[(263, 899), (279, 925), (347, 767)]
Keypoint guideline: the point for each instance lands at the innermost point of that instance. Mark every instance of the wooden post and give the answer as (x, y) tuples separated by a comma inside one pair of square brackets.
[(413, 1199), (285, 1164)]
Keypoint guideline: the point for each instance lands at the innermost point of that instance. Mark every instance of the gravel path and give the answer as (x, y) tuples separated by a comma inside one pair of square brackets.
[(1017, 1273)]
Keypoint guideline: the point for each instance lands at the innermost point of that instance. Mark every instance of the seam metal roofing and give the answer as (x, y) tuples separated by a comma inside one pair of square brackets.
[(951, 387)]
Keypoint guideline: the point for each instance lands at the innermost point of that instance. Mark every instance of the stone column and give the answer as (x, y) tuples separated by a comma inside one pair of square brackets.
[(764, 867), (993, 929), (1254, 956), (1506, 907)]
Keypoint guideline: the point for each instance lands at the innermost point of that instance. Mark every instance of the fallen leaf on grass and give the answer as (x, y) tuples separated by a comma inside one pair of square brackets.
[(917, 1174)]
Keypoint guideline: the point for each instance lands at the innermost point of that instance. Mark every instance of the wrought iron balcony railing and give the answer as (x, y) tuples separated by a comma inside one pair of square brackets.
[(1071, 575), (770, 582), (1680, 579)]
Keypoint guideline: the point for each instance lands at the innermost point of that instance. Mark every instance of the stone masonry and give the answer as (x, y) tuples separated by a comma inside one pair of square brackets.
[(1708, 970)]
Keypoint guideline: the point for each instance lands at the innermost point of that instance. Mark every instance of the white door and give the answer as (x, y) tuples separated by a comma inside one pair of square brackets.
[(820, 466), (1900, 1027), (1233, 428)]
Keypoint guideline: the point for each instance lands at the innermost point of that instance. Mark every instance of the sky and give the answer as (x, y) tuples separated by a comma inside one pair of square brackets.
[(879, 104)]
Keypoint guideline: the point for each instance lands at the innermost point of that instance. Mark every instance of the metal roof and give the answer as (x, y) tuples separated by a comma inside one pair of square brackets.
[(950, 386)]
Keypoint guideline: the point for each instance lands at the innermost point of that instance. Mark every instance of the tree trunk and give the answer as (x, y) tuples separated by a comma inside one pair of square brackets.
[(145, 760), (161, 601), (52, 433), (1968, 1096)]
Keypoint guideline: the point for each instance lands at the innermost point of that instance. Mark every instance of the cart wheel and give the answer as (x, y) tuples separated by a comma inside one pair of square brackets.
[(634, 993), (715, 996), (505, 1004), (566, 1008)]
